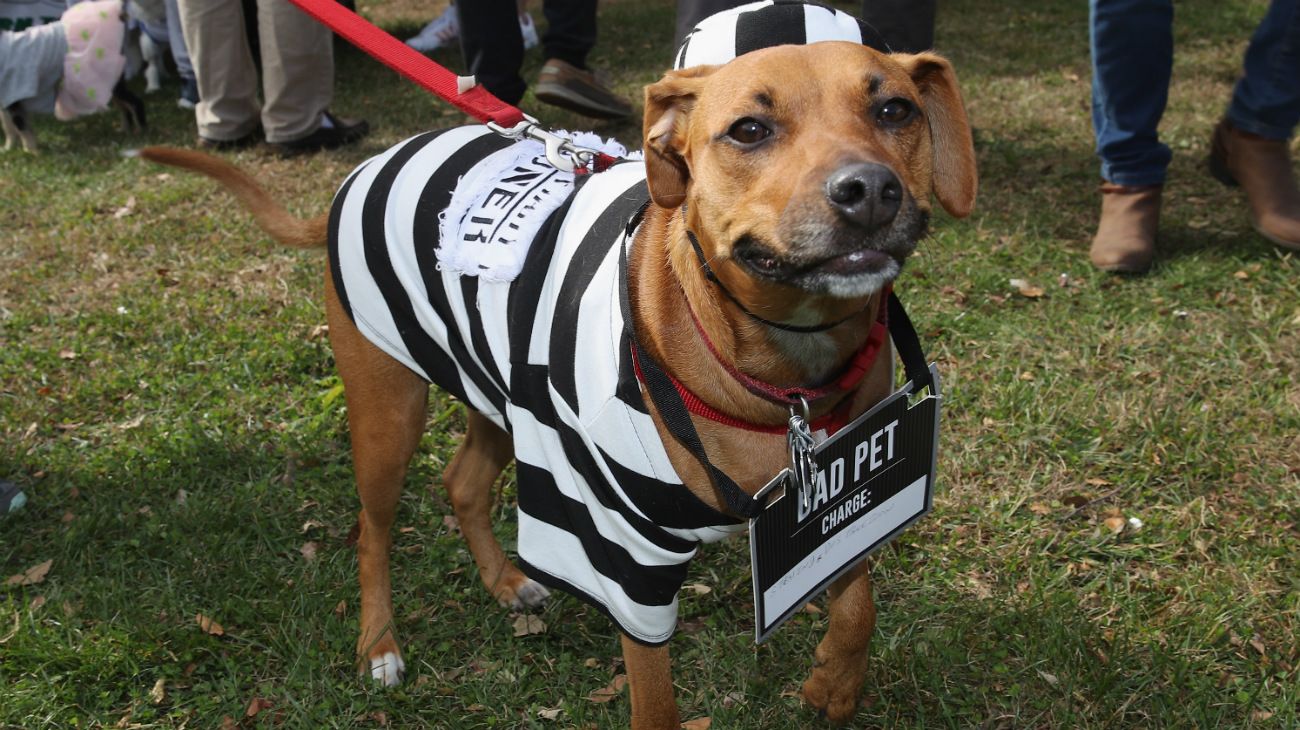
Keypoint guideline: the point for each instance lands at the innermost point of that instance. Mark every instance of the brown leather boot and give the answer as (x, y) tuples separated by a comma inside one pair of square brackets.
[(1262, 167), (1126, 234)]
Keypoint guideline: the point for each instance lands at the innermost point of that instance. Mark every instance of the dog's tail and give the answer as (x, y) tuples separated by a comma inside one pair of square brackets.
[(278, 223)]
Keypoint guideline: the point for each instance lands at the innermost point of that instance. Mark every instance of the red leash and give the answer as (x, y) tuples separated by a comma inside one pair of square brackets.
[(475, 100)]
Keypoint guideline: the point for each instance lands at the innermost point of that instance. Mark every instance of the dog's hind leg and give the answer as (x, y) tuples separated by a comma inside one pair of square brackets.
[(133, 118), (386, 415), (840, 662), (17, 131), (485, 451), (11, 131)]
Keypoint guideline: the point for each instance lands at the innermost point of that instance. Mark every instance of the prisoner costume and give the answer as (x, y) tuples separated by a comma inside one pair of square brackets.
[(602, 513)]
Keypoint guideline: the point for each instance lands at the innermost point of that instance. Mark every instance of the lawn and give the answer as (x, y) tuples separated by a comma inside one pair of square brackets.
[(1115, 533)]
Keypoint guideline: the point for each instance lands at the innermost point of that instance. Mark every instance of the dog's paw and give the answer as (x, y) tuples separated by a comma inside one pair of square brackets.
[(529, 594), (388, 669), (836, 701)]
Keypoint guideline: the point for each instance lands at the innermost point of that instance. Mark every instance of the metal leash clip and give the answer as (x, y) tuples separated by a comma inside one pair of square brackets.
[(561, 152), (803, 464)]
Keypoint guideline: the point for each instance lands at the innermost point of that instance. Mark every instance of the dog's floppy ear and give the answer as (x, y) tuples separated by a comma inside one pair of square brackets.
[(955, 178), (668, 104)]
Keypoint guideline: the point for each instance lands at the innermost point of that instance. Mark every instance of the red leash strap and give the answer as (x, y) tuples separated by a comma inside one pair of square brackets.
[(477, 102)]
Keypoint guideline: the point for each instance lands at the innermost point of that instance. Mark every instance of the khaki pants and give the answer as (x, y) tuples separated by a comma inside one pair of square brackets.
[(297, 69)]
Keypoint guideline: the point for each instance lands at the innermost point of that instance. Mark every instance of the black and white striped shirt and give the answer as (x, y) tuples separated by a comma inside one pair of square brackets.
[(602, 513)]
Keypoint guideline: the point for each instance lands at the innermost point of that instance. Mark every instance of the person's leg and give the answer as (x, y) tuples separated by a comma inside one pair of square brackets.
[(1132, 59), (570, 30), (1250, 146), (1266, 101), (297, 70), (176, 39), (223, 67), (493, 46), (907, 26)]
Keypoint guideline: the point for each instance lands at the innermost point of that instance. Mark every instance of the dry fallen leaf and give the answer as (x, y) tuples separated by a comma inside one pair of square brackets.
[(228, 723), (127, 209), (529, 624), (308, 550), (1115, 524), (159, 692), (452, 524), (256, 705), (812, 608), (341, 609), (591, 663), (208, 625), (609, 691), (1258, 645), (700, 589), (550, 713), (1097, 482), (699, 723), (31, 576), (36, 603), (1039, 508), (1026, 289), (1241, 275), (67, 354)]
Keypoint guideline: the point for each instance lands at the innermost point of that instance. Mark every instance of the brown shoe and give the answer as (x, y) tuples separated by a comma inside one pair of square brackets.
[(1262, 167), (1126, 234), (568, 86)]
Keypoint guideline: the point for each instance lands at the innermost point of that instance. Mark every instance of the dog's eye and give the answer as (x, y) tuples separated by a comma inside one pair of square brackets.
[(749, 131), (895, 111)]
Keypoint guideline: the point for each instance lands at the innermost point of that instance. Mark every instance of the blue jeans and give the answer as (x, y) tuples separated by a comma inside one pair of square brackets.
[(1132, 56)]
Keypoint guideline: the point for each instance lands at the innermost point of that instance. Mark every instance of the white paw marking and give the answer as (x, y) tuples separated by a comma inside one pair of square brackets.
[(530, 594), (387, 669)]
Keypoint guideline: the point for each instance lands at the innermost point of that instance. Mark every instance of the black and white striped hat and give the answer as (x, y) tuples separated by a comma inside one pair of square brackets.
[(727, 34)]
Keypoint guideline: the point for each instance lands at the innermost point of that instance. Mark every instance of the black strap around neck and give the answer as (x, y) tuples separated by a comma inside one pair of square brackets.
[(678, 420)]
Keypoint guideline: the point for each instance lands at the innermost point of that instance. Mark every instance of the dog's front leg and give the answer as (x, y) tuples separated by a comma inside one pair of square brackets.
[(840, 662), (17, 131), (650, 677)]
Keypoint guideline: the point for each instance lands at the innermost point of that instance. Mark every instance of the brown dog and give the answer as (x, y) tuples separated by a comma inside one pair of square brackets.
[(805, 173)]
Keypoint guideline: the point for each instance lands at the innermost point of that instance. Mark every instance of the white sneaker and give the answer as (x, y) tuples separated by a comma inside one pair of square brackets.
[(440, 32), (528, 29)]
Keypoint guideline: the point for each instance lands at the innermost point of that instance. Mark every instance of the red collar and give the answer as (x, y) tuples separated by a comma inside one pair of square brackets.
[(831, 422)]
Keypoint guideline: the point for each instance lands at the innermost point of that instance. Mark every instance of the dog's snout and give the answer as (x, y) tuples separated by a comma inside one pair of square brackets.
[(866, 193)]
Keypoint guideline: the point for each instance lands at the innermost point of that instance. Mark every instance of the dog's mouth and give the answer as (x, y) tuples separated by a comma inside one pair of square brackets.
[(832, 261), (762, 261)]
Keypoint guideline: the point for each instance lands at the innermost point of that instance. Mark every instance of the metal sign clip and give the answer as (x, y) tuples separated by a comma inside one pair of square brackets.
[(803, 464), (561, 152)]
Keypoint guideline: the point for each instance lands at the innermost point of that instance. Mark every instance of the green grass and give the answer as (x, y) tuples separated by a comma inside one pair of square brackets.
[(175, 421)]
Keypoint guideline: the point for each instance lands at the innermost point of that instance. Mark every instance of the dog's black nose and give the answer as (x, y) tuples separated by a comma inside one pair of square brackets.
[(866, 193)]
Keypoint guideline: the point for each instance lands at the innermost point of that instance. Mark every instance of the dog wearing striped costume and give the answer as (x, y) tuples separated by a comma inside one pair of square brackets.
[(779, 196)]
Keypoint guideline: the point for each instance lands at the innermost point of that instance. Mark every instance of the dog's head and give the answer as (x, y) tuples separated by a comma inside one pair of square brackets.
[(808, 170)]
